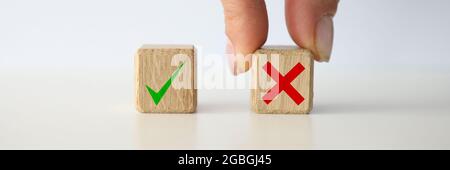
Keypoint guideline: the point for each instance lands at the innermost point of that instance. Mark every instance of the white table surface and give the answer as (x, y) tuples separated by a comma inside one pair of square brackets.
[(94, 110), (66, 78)]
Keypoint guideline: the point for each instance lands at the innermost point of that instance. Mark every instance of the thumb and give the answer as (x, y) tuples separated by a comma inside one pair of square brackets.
[(310, 24)]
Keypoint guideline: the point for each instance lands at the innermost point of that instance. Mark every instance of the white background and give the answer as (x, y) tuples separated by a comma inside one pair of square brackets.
[(66, 78)]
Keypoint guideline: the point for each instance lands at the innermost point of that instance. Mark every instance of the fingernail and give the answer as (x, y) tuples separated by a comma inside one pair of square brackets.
[(230, 54), (243, 63), (324, 38), (238, 62)]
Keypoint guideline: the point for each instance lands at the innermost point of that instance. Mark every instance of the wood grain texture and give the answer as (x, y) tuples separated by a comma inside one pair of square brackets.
[(154, 65), (289, 56)]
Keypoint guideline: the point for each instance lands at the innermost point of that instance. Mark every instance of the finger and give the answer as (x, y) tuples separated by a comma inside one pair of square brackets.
[(310, 24), (246, 26)]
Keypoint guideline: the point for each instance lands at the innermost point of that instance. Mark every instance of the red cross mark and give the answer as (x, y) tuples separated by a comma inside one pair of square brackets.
[(283, 83)]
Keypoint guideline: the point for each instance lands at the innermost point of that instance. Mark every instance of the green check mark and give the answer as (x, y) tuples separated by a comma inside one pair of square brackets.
[(157, 96)]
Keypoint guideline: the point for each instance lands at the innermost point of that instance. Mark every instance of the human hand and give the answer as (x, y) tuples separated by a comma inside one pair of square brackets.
[(309, 22)]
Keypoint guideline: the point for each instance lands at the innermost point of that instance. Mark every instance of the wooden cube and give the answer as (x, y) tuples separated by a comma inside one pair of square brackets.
[(282, 80), (165, 79)]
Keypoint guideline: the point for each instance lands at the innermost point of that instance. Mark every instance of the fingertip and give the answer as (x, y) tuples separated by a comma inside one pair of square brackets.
[(246, 25), (238, 62), (230, 54)]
